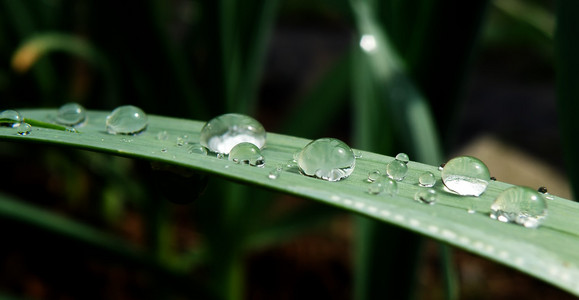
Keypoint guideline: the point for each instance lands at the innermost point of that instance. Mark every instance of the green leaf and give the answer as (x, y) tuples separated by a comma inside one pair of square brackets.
[(548, 253)]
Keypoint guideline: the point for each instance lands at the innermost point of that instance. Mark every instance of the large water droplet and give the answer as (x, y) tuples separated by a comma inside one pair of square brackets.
[(222, 133), (71, 114), (126, 119), (427, 179), (466, 176), (403, 157), (520, 205), (428, 196), (396, 169), (248, 154), (10, 118), (327, 158), (23, 128)]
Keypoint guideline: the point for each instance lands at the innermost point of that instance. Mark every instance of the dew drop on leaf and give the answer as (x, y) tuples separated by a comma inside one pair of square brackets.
[(466, 176), (403, 157), (23, 129), (126, 119), (390, 187), (71, 114), (275, 173), (373, 175), (520, 205), (376, 187), (327, 158), (10, 118), (426, 196), (197, 149), (222, 133), (396, 169), (427, 179), (247, 154)]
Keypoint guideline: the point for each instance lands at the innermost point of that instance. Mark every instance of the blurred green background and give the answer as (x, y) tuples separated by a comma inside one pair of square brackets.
[(91, 226)]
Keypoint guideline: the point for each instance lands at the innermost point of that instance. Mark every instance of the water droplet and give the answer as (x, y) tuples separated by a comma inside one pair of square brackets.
[(126, 119), (403, 157), (390, 187), (164, 150), (71, 114), (10, 118), (197, 149), (542, 190), (493, 178), (162, 135), (358, 154), (428, 196), (219, 156), (247, 154), (471, 210), (377, 186), (466, 176), (327, 158), (23, 128), (520, 205), (275, 173), (396, 170), (373, 175), (427, 179), (222, 133), (441, 166)]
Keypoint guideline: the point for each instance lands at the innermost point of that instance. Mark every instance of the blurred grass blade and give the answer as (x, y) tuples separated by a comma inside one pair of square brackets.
[(411, 115), (30, 52), (530, 13), (321, 104), (548, 253), (567, 48)]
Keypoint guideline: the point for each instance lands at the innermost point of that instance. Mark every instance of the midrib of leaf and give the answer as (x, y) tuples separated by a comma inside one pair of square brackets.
[(548, 253)]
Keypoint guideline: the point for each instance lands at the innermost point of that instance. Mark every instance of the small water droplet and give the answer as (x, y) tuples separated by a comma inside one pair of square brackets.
[(164, 150), (197, 149), (377, 186), (471, 210), (466, 176), (220, 156), (71, 114), (10, 118), (357, 154), (390, 187), (396, 170), (247, 154), (520, 205), (23, 128), (275, 173), (403, 157), (222, 133), (542, 190), (428, 196), (126, 119), (373, 175), (441, 166), (291, 164), (427, 179), (327, 158), (162, 135), (493, 178)]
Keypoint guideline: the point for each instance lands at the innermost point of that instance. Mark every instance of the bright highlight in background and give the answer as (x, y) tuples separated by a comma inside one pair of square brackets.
[(368, 43)]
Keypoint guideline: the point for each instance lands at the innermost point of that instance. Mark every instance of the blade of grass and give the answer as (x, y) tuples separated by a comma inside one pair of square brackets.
[(547, 253), (566, 46)]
